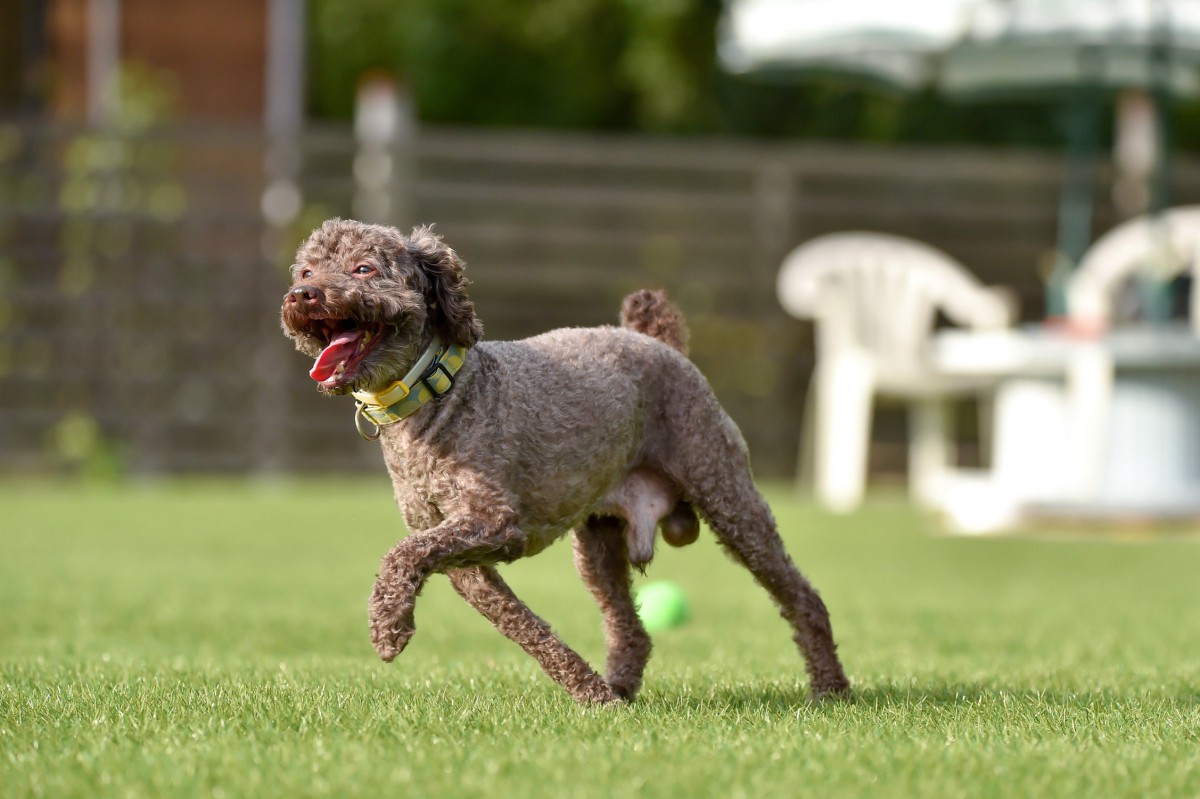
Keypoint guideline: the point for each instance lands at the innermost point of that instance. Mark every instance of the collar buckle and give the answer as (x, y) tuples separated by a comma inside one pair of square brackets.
[(431, 373), (361, 419)]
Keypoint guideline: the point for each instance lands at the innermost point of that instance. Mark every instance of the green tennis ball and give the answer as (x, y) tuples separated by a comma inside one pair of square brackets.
[(662, 605)]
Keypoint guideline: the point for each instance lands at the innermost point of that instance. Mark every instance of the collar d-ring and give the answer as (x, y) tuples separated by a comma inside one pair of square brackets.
[(360, 419)]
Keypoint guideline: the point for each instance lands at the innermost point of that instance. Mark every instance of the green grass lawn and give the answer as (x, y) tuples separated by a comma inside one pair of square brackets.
[(209, 639)]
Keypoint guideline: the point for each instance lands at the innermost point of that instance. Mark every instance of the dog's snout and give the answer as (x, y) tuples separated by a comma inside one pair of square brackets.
[(307, 295)]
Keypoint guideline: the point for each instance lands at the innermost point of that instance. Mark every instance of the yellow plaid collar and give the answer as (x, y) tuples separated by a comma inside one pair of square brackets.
[(432, 376)]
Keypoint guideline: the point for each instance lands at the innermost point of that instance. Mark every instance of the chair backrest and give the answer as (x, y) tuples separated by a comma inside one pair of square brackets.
[(880, 293), (1160, 246)]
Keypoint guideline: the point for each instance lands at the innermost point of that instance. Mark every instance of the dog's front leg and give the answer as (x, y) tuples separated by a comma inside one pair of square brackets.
[(487, 592), (456, 542)]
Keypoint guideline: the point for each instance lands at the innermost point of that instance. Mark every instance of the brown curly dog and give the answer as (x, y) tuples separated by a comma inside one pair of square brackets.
[(496, 449)]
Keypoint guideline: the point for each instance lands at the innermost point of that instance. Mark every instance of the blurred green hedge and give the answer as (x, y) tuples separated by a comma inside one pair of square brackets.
[(627, 65)]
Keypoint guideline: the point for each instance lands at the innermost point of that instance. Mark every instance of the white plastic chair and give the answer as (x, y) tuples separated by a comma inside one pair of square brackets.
[(1160, 247), (874, 298)]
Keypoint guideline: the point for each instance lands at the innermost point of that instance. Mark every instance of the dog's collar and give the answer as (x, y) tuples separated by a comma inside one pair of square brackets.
[(432, 376)]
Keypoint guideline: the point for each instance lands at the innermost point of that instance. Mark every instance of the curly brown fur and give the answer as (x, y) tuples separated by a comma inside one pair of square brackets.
[(650, 312), (607, 431)]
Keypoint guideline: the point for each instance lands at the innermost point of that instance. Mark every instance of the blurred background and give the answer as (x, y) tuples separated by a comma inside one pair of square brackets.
[(159, 163)]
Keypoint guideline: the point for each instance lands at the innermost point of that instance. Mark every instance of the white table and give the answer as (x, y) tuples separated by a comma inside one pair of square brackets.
[(1085, 427)]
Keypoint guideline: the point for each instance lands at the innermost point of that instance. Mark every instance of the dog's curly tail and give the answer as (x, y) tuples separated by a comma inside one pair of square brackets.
[(650, 312)]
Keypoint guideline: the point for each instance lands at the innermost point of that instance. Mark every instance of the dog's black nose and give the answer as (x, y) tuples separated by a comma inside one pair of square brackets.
[(309, 295)]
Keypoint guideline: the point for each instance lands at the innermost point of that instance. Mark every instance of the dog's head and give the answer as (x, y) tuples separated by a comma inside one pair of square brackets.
[(366, 301)]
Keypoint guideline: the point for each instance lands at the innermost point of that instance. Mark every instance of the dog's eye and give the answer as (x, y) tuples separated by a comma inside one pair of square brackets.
[(305, 274), (364, 269)]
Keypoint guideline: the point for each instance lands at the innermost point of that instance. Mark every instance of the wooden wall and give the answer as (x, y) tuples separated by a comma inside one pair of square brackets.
[(141, 284), (213, 53)]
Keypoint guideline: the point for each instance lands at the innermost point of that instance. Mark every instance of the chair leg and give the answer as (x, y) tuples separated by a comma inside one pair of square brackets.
[(806, 451), (986, 420), (929, 450), (1089, 402), (844, 403)]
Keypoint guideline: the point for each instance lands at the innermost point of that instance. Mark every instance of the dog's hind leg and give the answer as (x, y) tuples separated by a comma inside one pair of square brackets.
[(746, 529), (487, 592), (714, 471), (602, 559)]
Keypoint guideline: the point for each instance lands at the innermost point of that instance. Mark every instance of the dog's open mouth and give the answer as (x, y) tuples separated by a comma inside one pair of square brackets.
[(346, 348)]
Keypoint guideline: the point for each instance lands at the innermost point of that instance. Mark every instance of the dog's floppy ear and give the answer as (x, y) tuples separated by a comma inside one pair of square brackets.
[(450, 310)]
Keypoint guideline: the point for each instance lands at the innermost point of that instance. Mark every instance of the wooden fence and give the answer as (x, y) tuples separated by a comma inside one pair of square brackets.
[(140, 279)]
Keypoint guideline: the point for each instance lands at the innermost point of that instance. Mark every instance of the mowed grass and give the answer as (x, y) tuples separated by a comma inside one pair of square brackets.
[(209, 639)]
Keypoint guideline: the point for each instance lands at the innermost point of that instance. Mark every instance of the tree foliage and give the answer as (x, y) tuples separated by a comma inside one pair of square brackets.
[(646, 65), (599, 64)]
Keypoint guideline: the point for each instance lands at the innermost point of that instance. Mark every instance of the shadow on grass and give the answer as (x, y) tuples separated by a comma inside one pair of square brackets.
[(907, 696)]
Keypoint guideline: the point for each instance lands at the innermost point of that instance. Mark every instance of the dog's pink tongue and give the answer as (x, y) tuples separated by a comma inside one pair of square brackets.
[(342, 347)]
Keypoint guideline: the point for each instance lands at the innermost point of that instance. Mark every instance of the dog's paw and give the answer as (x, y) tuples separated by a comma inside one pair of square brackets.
[(592, 690), (600, 695), (390, 645), (390, 635), (836, 690), (624, 693), (391, 623)]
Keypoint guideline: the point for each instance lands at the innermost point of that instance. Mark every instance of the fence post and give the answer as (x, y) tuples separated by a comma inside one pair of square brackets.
[(776, 228), (383, 129), (774, 216)]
